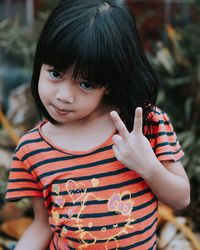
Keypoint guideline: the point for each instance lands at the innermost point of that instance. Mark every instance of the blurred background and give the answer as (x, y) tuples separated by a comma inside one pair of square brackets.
[(170, 31)]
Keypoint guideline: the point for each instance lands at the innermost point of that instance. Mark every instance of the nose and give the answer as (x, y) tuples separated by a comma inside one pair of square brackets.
[(65, 93)]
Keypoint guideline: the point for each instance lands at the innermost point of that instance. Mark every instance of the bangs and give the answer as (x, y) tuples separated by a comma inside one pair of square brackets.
[(86, 47)]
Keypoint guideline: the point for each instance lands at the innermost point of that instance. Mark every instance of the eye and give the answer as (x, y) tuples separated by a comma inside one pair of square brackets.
[(55, 75), (86, 85)]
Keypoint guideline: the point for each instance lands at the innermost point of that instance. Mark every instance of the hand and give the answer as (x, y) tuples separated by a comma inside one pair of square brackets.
[(133, 149)]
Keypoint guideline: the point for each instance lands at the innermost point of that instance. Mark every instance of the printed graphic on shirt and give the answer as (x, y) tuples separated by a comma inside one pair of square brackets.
[(88, 237)]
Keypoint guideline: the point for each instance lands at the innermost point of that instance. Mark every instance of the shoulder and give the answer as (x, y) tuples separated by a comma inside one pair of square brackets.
[(164, 140), (31, 134), (27, 139), (160, 124), (158, 116)]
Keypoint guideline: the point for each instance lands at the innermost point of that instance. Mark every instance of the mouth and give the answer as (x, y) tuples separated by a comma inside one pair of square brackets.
[(61, 111)]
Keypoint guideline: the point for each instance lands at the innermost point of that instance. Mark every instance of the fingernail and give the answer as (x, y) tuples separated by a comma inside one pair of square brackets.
[(113, 113), (139, 109)]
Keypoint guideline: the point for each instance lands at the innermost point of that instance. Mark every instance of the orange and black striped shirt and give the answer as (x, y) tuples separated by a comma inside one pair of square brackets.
[(93, 201)]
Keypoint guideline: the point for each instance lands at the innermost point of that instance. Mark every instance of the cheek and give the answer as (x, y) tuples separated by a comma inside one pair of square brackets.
[(100, 98), (99, 95), (95, 102), (44, 88), (40, 90), (43, 91)]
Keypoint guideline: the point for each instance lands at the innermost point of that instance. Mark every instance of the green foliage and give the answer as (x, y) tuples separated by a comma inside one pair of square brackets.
[(16, 45), (180, 95)]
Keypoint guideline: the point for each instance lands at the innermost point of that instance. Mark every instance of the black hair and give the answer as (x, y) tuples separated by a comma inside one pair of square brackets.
[(100, 40)]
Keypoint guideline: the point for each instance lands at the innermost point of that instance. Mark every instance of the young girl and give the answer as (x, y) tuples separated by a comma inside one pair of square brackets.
[(104, 154)]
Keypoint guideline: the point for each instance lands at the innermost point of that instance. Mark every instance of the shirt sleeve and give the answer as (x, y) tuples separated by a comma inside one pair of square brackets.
[(167, 146), (21, 182)]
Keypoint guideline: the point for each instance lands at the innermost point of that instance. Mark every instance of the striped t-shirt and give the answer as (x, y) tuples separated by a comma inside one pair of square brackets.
[(93, 201)]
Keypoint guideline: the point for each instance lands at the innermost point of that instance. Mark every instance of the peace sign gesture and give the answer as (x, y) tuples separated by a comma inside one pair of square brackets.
[(132, 149)]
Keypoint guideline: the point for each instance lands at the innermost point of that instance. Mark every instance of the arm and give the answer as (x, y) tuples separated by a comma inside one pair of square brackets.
[(167, 180), (38, 234)]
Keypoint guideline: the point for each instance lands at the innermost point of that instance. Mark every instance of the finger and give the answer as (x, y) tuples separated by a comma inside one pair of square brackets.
[(117, 140), (138, 121), (116, 152), (119, 124)]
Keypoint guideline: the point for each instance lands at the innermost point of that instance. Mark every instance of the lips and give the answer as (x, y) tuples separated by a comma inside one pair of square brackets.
[(61, 111)]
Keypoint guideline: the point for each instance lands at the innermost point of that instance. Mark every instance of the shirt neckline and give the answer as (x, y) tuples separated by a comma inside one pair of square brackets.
[(106, 142)]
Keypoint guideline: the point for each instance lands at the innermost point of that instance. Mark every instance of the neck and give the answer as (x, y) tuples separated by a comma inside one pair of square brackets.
[(93, 122)]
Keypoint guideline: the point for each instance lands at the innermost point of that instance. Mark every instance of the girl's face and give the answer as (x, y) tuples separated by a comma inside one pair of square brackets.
[(68, 100)]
